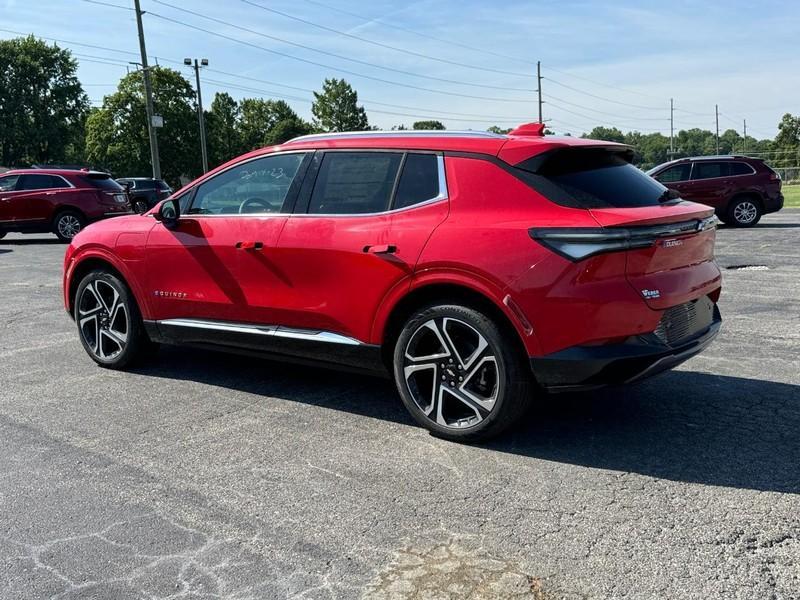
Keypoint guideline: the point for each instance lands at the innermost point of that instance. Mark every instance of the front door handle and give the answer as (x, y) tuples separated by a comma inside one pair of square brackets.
[(381, 249), (249, 245)]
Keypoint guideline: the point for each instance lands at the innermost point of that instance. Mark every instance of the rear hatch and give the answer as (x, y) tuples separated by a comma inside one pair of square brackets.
[(108, 190), (668, 243)]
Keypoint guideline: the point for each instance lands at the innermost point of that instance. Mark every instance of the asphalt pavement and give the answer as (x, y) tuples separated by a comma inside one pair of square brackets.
[(202, 475)]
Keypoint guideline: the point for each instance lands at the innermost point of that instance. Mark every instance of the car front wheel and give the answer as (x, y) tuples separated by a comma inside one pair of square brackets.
[(109, 323), (459, 374)]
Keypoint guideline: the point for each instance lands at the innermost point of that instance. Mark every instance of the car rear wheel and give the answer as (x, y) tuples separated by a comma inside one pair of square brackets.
[(2, 234), (109, 322), (140, 206), (744, 212), (68, 224), (459, 375)]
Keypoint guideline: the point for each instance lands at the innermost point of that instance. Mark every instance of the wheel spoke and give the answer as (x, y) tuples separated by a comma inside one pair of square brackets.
[(410, 372), (469, 360), (487, 403), (446, 393), (427, 327)]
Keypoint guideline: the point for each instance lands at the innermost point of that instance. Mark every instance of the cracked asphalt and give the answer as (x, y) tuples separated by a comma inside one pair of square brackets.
[(202, 475)]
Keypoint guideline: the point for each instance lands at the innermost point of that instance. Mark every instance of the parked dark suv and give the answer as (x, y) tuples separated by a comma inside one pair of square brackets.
[(740, 189), (59, 200), (145, 192)]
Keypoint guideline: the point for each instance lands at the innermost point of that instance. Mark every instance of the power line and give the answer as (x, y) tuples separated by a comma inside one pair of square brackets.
[(339, 56), (109, 4), (607, 123), (423, 35), (382, 45), (605, 113), (551, 80), (339, 69), (606, 85)]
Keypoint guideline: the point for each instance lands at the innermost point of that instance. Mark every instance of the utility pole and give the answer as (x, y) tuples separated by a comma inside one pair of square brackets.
[(148, 93), (671, 128), (744, 141), (200, 117), (539, 87), (716, 113)]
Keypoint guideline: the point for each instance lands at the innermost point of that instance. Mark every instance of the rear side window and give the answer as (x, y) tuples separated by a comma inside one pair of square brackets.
[(162, 185), (354, 182), (709, 170), (740, 168), (419, 181), (103, 182), (41, 182), (676, 173), (592, 178)]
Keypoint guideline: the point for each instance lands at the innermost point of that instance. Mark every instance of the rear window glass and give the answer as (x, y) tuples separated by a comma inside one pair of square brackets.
[(162, 185), (352, 183), (593, 178), (103, 182), (41, 182)]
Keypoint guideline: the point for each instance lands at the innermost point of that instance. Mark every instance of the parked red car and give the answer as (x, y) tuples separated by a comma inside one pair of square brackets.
[(741, 189), (57, 200), (473, 268)]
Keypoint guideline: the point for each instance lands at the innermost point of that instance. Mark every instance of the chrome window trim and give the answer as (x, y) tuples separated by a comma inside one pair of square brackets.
[(194, 188), (442, 195), (68, 186), (312, 335)]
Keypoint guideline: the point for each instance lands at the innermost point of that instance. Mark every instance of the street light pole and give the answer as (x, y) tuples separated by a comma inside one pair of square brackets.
[(200, 117)]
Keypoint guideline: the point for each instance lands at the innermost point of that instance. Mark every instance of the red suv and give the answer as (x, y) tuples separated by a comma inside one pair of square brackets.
[(740, 189), (61, 201), (473, 268)]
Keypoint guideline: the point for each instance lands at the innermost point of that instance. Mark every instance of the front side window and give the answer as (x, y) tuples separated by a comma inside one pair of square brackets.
[(419, 181), (257, 186), (8, 183), (355, 183), (676, 173), (709, 170)]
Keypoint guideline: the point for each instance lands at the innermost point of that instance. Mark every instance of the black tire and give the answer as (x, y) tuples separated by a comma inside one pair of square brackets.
[(67, 224), (95, 298), (497, 370), (140, 206), (2, 234), (744, 211)]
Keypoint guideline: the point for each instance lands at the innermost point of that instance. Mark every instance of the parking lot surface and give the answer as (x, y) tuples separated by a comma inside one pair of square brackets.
[(201, 475)]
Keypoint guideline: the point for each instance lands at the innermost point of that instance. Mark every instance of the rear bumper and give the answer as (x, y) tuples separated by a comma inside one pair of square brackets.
[(772, 205), (589, 367)]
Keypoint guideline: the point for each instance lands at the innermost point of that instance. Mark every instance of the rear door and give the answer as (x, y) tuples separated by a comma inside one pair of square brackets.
[(361, 223), (710, 184), (35, 197), (671, 255)]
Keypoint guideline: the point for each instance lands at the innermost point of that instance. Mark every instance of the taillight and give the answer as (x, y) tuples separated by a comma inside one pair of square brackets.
[(774, 176), (577, 244)]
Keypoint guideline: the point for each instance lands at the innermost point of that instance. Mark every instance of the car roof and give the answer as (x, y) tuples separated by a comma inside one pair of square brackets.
[(518, 145), (62, 172)]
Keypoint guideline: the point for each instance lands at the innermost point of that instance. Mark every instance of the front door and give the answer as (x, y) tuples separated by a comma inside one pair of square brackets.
[(8, 184), (201, 269), (361, 222)]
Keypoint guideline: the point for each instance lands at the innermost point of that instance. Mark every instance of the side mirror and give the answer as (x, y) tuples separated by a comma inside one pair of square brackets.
[(674, 194), (169, 211)]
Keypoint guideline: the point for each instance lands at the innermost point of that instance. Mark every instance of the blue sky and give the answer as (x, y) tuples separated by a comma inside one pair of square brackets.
[(613, 64)]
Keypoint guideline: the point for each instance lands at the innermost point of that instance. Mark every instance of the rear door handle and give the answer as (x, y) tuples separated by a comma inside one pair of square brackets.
[(381, 249), (249, 245)]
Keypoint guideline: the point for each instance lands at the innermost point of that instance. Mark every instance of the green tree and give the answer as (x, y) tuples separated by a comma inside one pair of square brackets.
[(608, 134), (286, 129), (788, 132), (500, 130), (116, 134), (42, 103), (336, 108), (222, 123), (428, 125), (258, 118)]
